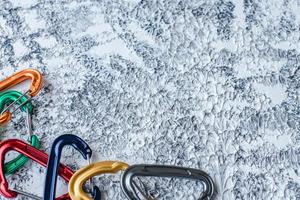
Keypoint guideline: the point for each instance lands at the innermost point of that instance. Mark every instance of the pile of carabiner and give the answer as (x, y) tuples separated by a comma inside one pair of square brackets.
[(77, 180)]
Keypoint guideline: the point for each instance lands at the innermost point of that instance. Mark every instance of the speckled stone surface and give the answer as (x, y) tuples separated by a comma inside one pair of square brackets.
[(205, 84)]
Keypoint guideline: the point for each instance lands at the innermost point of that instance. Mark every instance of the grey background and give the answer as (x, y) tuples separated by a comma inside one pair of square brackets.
[(205, 84)]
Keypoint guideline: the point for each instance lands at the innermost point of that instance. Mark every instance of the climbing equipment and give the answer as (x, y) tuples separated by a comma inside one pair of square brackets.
[(54, 159), (35, 86), (34, 154), (128, 185), (6, 98), (81, 176), (77, 181)]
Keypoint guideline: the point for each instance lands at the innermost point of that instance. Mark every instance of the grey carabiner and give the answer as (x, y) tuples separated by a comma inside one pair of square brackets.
[(128, 185)]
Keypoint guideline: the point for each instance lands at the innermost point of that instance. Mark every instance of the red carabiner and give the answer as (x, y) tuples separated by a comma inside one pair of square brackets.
[(34, 154)]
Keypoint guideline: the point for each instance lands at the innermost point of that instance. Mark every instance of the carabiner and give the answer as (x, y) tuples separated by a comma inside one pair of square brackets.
[(33, 74), (34, 154), (163, 171), (81, 176), (35, 86), (7, 98), (18, 162), (54, 159)]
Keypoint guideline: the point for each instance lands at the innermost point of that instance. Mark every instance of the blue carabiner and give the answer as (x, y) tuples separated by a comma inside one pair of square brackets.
[(54, 160)]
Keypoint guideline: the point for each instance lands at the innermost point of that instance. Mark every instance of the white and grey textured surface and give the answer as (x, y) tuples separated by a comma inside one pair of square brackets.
[(205, 84)]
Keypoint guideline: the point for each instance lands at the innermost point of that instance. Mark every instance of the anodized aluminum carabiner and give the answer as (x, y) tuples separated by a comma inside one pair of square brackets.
[(6, 98), (26, 74), (35, 86), (34, 154), (163, 171), (13, 165), (54, 159), (77, 181)]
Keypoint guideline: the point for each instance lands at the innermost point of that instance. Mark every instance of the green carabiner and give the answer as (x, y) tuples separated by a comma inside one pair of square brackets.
[(7, 98), (10, 96)]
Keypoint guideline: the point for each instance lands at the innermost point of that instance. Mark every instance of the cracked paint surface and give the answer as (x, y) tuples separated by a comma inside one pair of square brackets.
[(204, 84)]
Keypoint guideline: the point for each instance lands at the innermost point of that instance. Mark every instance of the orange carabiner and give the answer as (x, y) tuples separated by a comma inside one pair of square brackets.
[(33, 74), (26, 74)]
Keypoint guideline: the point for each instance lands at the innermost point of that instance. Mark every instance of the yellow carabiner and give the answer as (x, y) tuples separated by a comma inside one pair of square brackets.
[(81, 176)]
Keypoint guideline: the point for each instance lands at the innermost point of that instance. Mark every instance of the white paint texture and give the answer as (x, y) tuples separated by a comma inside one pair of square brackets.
[(205, 84)]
